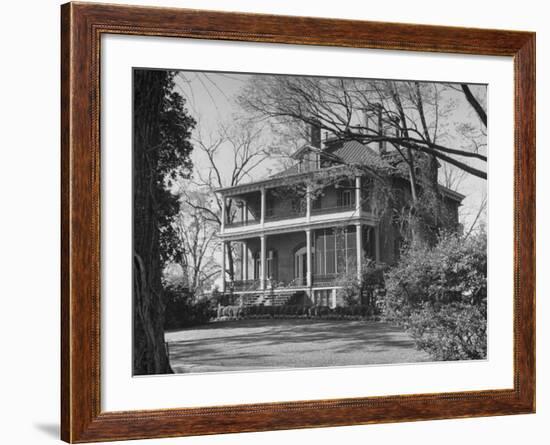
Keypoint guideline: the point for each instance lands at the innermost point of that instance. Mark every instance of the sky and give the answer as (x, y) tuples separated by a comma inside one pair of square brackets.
[(211, 100)]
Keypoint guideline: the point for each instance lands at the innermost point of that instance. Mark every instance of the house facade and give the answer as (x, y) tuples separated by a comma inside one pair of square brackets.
[(304, 233)]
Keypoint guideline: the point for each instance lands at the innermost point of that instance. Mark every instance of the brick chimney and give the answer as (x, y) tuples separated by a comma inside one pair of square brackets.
[(381, 144), (315, 135)]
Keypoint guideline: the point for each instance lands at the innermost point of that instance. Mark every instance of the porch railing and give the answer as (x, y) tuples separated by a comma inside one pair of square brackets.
[(318, 280), (243, 285), (329, 280), (297, 282)]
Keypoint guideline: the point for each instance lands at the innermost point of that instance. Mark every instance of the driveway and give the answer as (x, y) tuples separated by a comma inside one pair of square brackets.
[(268, 344)]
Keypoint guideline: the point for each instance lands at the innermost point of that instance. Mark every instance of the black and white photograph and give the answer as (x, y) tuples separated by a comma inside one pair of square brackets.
[(289, 221)]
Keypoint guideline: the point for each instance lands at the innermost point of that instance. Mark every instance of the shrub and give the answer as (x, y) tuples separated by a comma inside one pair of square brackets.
[(181, 311), (228, 311), (440, 295), (455, 331), (324, 311)]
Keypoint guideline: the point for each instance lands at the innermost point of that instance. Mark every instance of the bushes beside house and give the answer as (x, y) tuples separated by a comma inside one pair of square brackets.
[(182, 311), (439, 294)]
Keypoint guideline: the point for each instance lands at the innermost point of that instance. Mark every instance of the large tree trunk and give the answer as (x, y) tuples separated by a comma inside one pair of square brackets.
[(150, 355)]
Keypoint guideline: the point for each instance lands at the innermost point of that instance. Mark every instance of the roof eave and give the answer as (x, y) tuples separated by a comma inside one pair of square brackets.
[(451, 193), (257, 185)]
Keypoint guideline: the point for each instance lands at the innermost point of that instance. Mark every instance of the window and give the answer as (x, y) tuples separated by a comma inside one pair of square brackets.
[(346, 199), (316, 203), (271, 267), (271, 264), (335, 251), (298, 205)]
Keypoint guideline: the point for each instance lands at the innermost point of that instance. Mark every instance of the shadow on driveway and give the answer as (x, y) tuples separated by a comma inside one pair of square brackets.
[(260, 344)]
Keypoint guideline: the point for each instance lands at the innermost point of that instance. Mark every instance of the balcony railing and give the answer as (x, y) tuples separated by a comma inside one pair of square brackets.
[(335, 209), (250, 222), (270, 215)]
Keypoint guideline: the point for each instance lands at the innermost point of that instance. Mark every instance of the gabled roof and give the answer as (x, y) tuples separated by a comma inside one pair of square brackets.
[(303, 149)]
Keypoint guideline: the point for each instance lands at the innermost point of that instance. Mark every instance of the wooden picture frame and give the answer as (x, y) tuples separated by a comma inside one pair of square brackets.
[(82, 26)]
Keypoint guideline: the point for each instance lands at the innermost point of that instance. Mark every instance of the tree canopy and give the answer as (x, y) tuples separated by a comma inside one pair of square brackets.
[(406, 114)]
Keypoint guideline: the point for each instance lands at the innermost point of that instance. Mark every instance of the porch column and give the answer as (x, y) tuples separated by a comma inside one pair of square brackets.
[(358, 195), (262, 263), (377, 242), (308, 261), (223, 214), (359, 247), (244, 261), (333, 298), (308, 202), (223, 266), (262, 209)]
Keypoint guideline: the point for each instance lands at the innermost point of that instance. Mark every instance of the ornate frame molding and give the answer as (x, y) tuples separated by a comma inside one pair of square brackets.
[(82, 26)]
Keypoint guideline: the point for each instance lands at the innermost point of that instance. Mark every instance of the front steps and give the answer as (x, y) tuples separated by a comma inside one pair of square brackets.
[(274, 299)]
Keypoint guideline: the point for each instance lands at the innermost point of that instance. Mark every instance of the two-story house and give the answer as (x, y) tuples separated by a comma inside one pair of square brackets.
[(305, 231)]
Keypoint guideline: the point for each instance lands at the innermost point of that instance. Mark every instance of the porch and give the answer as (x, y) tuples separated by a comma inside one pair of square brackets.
[(313, 261)]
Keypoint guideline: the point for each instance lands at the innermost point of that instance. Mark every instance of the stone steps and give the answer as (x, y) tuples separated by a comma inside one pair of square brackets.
[(278, 299)]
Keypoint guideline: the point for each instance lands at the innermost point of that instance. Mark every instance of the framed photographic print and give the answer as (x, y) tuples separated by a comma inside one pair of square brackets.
[(275, 222)]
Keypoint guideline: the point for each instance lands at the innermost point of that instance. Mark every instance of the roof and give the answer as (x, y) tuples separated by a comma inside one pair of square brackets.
[(274, 181), (451, 193), (303, 149), (348, 153), (354, 152)]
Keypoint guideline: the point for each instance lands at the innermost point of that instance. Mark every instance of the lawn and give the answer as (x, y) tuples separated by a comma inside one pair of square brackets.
[(268, 344)]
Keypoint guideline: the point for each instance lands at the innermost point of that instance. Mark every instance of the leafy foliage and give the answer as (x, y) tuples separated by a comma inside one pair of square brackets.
[(174, 160), (183, 312), (366, 291), (289, 311), (440, 295), (455, 331)]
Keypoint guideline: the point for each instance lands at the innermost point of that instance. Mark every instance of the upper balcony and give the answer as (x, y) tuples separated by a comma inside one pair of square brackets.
[(272, 205)]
